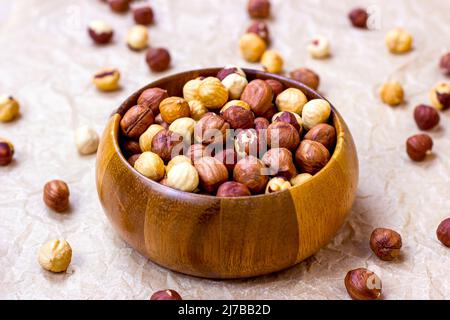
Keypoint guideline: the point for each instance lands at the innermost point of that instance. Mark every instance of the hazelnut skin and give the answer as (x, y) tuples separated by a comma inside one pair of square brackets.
[(143, 15), (306, 76), (196, 151), (440, 96), (119, 6), (258, 9), (166, 295), (159, 120), (173, 108), (131, 147), (444, 64), (443, 232), (211, 128), (258, 95), (239, 118), (246, 142), (385, 243), (288, 117), (136, 120), (151, 98), (212, 173), (280, 163), (362, 284), (323, 133), (132, 160), (277, 86), (228, 70), (228, 157), (6, 152), (56, 195), (418, 146), (250, 172), (358, 17), (100, 32), (233, 189), (260, 28), (282, 135), (311, 156), (158, 59), (426, 117), (55, 255), (261, 125), (167, 144)]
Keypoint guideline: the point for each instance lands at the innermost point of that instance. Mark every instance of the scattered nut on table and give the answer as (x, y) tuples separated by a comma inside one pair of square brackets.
[(426, 117), (137, 38), (252, 47), (143, 14), (55, 255), (419, 146), (385, 243), (444, 64), (119, 6), (443, 232), (306, 76), (9, 108), (6, 152), (440, 96), (56, 195), (86, 140), (261, 29), (399, 41), (166, 295), (392, 93), (272, 61), (363, 284), (158, 59), (100, 31), (258, 9), (358, 17), (107, 79), (319, 47), (150, 165)]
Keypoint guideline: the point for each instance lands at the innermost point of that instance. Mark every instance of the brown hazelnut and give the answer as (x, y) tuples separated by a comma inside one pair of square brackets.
[(239, 118), (166, 295), (6, 152), (143, 15), (158, 59), (136, 120), (362, 284), (132, 160), (258, 94), (159, 120), (385, 243), (280, 163), (212, 173), (440, 96), (311, 156), (119, 6), (260, 28), (443, 232), (131, 147), (282, 135), (100, 32), (211, 128), (418, 146), (444, 64), (151, 98), (270, 112), (277, 86), (258, 9), (306, 76), (288, 117), (250, 171), (167, 144), (196, 151), (358, 17), (323, 133), (246, 142), (228, 157), (56, 195), (233, 189), (173, 108), (261, 124), (426, 117), (228, 70)]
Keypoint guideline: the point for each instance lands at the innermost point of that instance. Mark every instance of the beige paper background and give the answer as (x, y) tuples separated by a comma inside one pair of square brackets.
[(47, 60)]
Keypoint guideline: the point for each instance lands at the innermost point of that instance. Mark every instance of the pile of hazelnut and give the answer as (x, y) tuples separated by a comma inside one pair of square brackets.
[(227, 136)]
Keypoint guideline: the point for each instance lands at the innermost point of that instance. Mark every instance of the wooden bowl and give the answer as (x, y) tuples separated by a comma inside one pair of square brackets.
[(214, 237)]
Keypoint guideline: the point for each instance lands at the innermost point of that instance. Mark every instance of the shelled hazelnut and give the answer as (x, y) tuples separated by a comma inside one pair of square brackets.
[(358, 17), (9, 108), (235, 103), (119, 6), (252, 47), (306, 76), (184, 127), (159, 120), (212, 93), (300, 179), (362, 284), (190, 89), (426, 117), (100, 32), (282, 135), (311, 156), (314, 112), (136, 120), (212, 173), (249, 171), (196, 151), (55, 255), (260, 29), (158, 59), (197, 109), (258, 9), (319, 47), (444, 64), (150, 165), (107, 79), (272, 61), (261, 125), (143, 15), (233, 189), (239, 118), (86, 140), (419, 146), (211, 128), (277, 86), (291, 100), (443, 232), (183, 176), (6, 152), (173, 108), (323, 133), (289, 117), (392, 93), (56, 195), (176, 160), (152, 98), (228, 157), (145, 139), (258, 94), (399, 41), (440, 96), (385, 243), (234, 79), (280, 163), (277, 184), (132, 160), (166, 295), (167, 144), (137, 38), (246, 142), (131, 147)]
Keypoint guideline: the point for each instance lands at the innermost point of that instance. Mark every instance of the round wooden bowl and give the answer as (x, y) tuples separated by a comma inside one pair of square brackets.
[(214, 237)]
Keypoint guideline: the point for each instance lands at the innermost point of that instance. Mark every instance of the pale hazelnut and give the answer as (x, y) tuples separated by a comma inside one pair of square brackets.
[(246, 143), (239, 118), (212, 173), (150, 165), (323, 133), (9, 108), (184, 127), (233, 189), (419, 146), (136, 120), (362, 284), (107, 79), (55, 255), (426, 117), (272, 61), (173, 108), (392, 93), (145, 140), (443, 232), (176, 160), (250, 171), (183, 176), (143, 15), (167, 144), (385, 243), (198, 109), (235, 83), (211, 128), (252, 47), (119, 6), (152, 98), (444, 64), (319, 47), (100, 32), (277, 86), (277, 184), (291, 100), (289, 117), (300, 179), (86, 140), (258, 94), (235, 103), (212, 93), (258, 9), (56, 195), (311, 156), (398, 41), (440, 96), (137, 38), (314, 112), (282, 135), (280, 163), (6, 152), (166, 295), (260, 29), (158, 59), (306, 76), (190, 89)]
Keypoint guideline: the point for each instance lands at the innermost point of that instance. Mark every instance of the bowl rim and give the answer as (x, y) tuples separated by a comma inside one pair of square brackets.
[(338, 123)]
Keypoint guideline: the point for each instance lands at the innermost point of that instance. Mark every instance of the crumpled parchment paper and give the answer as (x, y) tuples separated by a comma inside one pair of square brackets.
[(47, 60)]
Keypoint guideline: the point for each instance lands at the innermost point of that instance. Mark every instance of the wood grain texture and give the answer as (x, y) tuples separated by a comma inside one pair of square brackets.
[(225, 237)]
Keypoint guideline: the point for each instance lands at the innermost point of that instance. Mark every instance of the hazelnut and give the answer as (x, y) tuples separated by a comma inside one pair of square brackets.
[(166, 295), (358, 17), (418, 146), (176, 160), (184, 127), (277, 86), (167, 144), (235, 83), (228, 70), (258, 94), (211, 128), (272, 61), (323, 133), (289, 117), (86, 140), (235, 103), (56, 195), (145, 140), (260, 29), (250, 172), (9, 108), (314, 112), (311, 156), (190, 89), (306, 76), (246, 142), (55, 255), (159, 120), (132, 160), (398, 41), (107, 79), (6, 152), (391, 93), (258, 9), (183, 176), (282, 135), (100, 32), (277, 184), (158, 59), (233, 189), (228, 157), (319, 47), (212, 93), (300, 179), (280, 163), (362, 284), (143, 15), (426, 117), (292, 100), (252, 47), (444, 64), (443, 232), (152, 98), (261, 124), (150, 165), (212, 173), (136, 120), (385, 243), (440, 96), (239, 118), (137, 38), (131, 147), (119, 6), (196, 151), (173, 108), (198, 109)]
